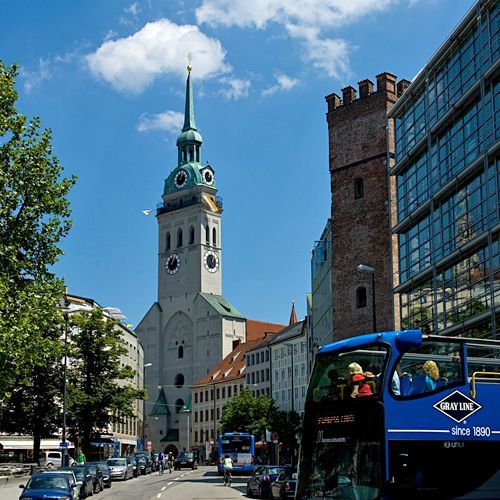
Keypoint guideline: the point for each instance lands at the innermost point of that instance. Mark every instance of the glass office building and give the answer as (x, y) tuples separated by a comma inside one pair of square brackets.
[(446, 166)]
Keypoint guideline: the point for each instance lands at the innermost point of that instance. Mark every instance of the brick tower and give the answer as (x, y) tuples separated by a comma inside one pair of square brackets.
[(360, 136)]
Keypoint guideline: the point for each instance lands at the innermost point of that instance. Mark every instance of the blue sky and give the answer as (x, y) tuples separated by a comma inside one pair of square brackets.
[(108, 77)]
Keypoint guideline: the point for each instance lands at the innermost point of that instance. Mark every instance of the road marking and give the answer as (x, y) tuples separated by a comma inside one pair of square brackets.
[(168, 484), (164, 488), (159, 495), (177, 479)]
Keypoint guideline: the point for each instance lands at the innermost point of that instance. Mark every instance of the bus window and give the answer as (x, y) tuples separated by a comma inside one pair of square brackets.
[(428, 368), (335, 377)]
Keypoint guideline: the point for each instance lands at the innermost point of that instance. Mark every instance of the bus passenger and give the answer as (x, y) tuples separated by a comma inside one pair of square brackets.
[(358, 380), (431, 375)]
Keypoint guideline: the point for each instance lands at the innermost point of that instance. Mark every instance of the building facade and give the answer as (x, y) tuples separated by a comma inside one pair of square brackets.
[(258, 371), (446, 167), (359, 135), (321, 332), (289, 367), (191, 326)]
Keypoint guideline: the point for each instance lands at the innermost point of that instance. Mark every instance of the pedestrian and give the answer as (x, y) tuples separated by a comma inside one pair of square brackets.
[(81, 458)]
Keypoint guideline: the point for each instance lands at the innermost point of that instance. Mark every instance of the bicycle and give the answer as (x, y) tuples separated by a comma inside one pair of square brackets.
[(227, 477), (160, 467), (169, 466)]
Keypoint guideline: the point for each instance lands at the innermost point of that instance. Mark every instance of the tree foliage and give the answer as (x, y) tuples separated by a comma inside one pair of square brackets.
[(34, 217), (100, 390), (247, 413)]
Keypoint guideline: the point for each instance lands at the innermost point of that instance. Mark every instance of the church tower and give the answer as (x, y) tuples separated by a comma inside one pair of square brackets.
[(191, 326)]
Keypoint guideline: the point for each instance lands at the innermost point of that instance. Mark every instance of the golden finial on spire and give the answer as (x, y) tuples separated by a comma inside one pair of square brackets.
[(189, 58)]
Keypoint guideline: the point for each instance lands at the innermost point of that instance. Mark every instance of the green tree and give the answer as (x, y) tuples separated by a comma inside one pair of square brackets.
[(99, 389), (288, 425), (247, 413), (34, 217)]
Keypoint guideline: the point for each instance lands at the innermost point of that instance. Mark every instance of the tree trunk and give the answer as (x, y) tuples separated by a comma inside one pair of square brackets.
[(36, 444)]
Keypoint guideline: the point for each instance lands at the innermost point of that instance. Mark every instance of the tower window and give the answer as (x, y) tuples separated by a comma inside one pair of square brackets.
[(361, 297), (191, 153), (179, 380), (191, 235), (167, 241), (358, 188), (214, 237), (207, 235), (178, 405), (179, 237), (184, 155), (198, 153), (180, 351)]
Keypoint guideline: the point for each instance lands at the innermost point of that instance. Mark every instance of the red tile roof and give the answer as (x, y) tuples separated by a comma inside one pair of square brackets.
[(257, 329), (232, 366)]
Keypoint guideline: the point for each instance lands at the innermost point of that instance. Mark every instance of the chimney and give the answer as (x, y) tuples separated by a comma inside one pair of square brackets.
[(402, 86), (365, 88), (386, 81), (333, 101), (348, 94)]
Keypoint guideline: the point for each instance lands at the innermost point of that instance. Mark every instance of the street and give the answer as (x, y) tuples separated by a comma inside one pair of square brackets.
[(200, 484)]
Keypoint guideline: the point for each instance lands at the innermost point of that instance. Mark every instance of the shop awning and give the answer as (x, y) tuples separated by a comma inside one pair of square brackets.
[(27, 444)]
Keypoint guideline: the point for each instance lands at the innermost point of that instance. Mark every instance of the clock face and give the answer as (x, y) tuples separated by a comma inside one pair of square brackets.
[(180, 179), (211, 261), (208, 177), (173, 263)]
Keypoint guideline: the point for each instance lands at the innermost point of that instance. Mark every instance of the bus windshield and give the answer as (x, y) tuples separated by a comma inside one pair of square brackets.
[(236, 444), (338, 376)]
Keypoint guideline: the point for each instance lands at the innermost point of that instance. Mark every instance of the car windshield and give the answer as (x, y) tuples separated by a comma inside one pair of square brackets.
[(78, 472), (117, 461), (103, 466), (48, 482), (185, 456), (274, 470)]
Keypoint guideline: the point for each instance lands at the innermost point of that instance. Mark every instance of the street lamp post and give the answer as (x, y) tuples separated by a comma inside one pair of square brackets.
[(65, 390), (363, 268)]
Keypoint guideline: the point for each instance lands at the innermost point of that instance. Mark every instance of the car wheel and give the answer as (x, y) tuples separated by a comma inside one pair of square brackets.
[(97, 488)]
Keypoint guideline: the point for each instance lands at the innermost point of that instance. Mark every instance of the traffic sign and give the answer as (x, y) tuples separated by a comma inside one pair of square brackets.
[(63, 445)]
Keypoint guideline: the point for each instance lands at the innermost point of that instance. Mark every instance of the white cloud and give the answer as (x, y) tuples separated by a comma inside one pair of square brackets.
[(236, 89), (283, 82), (308, 20), (35, 78), (171, 121), (131, 64)]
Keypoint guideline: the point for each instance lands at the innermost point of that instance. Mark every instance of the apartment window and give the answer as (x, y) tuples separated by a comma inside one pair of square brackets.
[(196, 397), (195, 436), (211, 394), (218, 393), (248, 378), (262, 356), (201, 397), (361, 297), (358, 188), (201, 416), (206, 415), (267, 355), (235, 388), (196, 417), (257, 377), (229, 392), (223, 392), (267, 374), (206, 395), (218, 413), (212, 414)]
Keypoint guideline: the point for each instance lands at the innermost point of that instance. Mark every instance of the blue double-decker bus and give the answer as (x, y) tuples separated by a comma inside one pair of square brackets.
[(240, 446), (401, 415)]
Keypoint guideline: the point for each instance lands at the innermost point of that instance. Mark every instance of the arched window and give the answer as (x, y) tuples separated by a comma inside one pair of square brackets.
[(207, 235), (167, 241), (178, 405), (180, 352), (214, 237), (191, 235), (361, 297), (179, 380), (358, 188), (179, 237)]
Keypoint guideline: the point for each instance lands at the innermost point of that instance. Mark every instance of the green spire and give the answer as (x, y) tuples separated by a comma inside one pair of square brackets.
[(189, 123), (189, 140)]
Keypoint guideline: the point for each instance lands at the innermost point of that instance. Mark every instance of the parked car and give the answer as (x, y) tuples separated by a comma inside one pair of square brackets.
[(49, 485), (284, 486), (71, 475), (185, 459), (96, 473), (121, 468), (133, 460), (83, 479), (53, 459), (106, 475), (260, 482)]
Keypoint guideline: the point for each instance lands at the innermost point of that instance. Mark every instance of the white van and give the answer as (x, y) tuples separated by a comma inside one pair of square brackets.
[(53, 459)]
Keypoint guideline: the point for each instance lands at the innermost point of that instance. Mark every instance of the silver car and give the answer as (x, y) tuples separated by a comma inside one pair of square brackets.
[(120, 468)]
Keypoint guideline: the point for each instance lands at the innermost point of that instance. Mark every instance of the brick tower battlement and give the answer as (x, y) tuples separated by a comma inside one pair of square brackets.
[(360, 136)]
